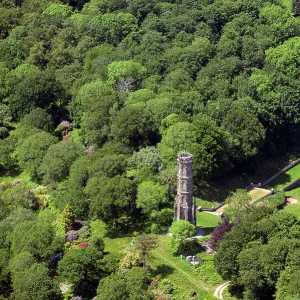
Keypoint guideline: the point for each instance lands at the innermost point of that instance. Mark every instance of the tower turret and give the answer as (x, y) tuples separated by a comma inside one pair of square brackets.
[(185, 207)]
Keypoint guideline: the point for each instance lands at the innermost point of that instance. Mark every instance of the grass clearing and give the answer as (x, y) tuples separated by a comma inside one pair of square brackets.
[(295, 193), (207, 221), (287, 3), (179, 272), (22, 176), (205, 203), (257, 193), (293, 209), (285, 178)]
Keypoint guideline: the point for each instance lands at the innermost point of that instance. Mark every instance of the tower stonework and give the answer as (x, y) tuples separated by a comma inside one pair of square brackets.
[(185, 207)]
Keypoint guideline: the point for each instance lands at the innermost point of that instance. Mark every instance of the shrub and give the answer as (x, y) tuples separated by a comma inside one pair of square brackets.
[(71, 236), (3, 132)]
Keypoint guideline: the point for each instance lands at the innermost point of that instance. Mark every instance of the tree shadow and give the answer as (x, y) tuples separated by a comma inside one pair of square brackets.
[(163, 270), (283, 180)]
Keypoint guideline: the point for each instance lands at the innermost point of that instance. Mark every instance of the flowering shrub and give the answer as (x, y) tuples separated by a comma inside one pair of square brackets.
[(77, 224), (64, 127), (90, 149), (76, 298), (154, 283), (66, 137), (84, 244), (71, 236)]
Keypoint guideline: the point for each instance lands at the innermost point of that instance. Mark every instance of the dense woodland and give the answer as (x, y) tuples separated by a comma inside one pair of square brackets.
[(98, 97)]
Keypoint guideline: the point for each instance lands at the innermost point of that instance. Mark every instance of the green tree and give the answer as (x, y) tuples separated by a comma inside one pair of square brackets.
[(112, 287), (134, 127), (181, 230), (150, 196), (58, 159), (34, 283), (144, 244), (32, 151), (111, 198), (38, 118), (82, 267), (238, 205)]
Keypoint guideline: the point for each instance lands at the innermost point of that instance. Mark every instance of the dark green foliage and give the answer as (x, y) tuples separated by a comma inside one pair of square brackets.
[(82, 267), (37, 118), (58, 159)]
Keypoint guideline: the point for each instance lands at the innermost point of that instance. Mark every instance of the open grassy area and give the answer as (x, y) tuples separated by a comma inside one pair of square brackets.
[(257, 193), (293, 209), (22, 176), (205, 203), (207, 221), (294, 193), (178, 271), (284, 179)]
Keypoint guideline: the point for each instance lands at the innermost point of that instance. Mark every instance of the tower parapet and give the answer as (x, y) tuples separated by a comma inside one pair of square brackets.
[(184, 206)]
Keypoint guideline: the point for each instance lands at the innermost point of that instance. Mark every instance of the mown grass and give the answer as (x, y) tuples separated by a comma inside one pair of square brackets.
[(294, 193), (179, 272), (286, 178), (207, 221), (22, 176), (257, 193), (205, 203), (293, 209)]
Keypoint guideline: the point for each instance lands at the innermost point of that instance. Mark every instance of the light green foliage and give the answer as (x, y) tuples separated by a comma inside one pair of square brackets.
[(96, 97), (142, 95), (238, 205), (67, 218), (207, 271), (120, 70), (118, 25), (180, 230), (150, 196)]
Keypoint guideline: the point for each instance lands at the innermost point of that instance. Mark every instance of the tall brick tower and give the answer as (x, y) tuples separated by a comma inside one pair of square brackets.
[(185, 207)]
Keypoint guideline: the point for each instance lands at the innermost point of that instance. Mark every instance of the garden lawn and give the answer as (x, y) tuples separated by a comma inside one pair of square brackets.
[(257, 193), (207, 221), (294, 193), (205, 203), (293, 209), (23, 177), (178, 271), (287, 4), (286, 178)]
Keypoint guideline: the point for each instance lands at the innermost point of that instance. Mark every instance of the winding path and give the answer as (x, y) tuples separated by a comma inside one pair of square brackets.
[(219, 290)]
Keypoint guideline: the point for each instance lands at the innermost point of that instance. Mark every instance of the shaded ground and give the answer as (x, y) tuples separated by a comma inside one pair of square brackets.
[(207, 221), (286, 178)]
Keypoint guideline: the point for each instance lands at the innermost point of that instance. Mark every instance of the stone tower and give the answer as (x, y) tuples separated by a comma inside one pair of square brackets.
[(185, 207)]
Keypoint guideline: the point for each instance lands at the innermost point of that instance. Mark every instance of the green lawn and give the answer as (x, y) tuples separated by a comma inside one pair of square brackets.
[(294, 193), (178, 271), (207, 221), (205, 203), (293, 209), (284, 179), (23, 177), (257, 193)]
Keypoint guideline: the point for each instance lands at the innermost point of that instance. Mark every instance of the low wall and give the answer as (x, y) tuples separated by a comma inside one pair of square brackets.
[(212, 209), (294, 184), (291, 165)]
